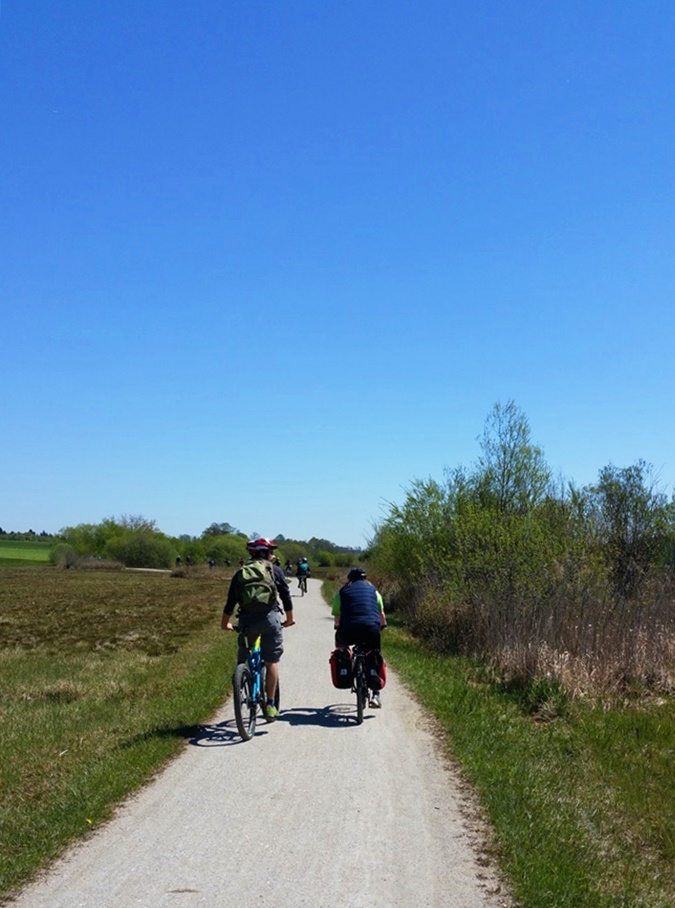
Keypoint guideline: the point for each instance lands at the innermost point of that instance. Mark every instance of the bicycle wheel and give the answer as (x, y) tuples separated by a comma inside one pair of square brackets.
[(361, 691), (244, 705)]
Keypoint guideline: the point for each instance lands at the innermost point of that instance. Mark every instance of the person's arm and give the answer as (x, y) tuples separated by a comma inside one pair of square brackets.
[(230, 605), (335, 610), (285, 595), (380, 605)]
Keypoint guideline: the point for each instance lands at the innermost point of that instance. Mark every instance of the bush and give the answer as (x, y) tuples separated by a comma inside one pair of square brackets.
[(138, 548), (63, 555), (343, 559), (224, 548)]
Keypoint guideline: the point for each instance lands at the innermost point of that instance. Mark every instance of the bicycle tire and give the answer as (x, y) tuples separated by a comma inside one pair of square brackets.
[(361, 691), (244, 706)]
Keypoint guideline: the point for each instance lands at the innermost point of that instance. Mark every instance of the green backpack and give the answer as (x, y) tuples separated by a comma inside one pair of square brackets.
[(258, 592)]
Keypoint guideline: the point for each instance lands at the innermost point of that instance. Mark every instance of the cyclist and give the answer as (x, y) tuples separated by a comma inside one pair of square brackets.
[(358, 613), (263, 617), (302, 571)]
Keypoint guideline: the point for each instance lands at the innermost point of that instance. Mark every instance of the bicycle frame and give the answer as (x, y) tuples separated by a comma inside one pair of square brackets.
[(248, 688), (255, 663)]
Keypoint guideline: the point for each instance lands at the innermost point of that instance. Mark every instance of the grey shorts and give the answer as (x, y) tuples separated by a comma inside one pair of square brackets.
[(271, 635)]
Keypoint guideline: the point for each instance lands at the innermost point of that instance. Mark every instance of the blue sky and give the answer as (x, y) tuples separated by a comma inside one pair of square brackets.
[(268, 262)]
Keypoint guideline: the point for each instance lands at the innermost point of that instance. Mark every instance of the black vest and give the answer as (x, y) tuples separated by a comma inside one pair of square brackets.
[(358, 605)]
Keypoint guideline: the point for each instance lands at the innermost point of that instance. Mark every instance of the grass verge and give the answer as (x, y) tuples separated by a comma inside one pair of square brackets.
[(94, 704), (582, 805), (580, 795)]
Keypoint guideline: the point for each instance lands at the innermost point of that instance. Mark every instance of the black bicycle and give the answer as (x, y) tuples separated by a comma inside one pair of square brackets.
[(360, 681), (302, 583), (249, 689)]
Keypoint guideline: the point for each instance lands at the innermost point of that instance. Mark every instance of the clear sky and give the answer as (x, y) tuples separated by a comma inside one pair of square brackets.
[(268, 262)]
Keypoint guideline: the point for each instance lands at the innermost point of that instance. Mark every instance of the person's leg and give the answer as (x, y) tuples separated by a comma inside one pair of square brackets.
[(271, 648), (341, 639), (272, 680), (372, 640)]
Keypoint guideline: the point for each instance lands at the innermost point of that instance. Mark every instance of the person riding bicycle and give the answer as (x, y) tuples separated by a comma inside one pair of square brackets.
[(358, 613), (302, 572), (261, 616)]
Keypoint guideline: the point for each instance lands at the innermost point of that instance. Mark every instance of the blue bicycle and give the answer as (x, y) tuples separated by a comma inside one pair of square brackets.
[(248, 689)]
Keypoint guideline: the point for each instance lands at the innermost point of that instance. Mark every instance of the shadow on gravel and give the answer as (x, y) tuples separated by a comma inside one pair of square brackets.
[(221, 735), (338, 715)]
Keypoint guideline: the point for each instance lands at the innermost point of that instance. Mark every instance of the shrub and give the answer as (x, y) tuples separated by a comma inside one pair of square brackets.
[(139, 548), (224, 548), (62, 555), (572, 587)]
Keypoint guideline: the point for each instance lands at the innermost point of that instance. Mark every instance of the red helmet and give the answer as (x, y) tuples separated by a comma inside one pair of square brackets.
[(260, 545)]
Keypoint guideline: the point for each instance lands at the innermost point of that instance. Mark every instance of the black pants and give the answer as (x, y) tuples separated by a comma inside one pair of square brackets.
[(363, 635)]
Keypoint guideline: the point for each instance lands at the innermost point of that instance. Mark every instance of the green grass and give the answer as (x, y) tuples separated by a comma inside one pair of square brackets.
[(583, 807), (14, 552), (102, 679), (580, 795)]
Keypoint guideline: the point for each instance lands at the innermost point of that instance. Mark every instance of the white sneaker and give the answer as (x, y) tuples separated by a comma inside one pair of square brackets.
[(375, 701)]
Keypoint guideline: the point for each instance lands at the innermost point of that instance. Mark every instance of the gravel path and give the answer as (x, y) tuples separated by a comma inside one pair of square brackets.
[(314, 811)]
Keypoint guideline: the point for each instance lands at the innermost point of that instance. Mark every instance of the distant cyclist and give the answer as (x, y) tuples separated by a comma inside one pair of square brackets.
[(256, 588), (302, 573), (358, 613)]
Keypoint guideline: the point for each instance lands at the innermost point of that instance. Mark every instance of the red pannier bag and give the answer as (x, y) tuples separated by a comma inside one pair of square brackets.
[(376, 669), (341, 667)]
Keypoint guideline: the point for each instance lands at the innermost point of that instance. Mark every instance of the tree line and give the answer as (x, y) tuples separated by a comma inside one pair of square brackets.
[(543, 579), (28, 536), (137, 542)]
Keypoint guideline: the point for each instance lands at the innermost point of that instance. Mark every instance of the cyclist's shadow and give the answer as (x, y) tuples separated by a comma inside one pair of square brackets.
[(336, 715), (221, 734)]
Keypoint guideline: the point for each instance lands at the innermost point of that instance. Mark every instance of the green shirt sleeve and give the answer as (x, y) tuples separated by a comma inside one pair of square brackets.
[(335, 611), (380, 603)]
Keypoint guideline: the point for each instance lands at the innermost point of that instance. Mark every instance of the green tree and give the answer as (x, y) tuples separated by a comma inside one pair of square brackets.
[(225, 548), (220, 529), (141, 548), (512, 471), (293, 551), (632, 520), (415, 540), (133, 540)]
